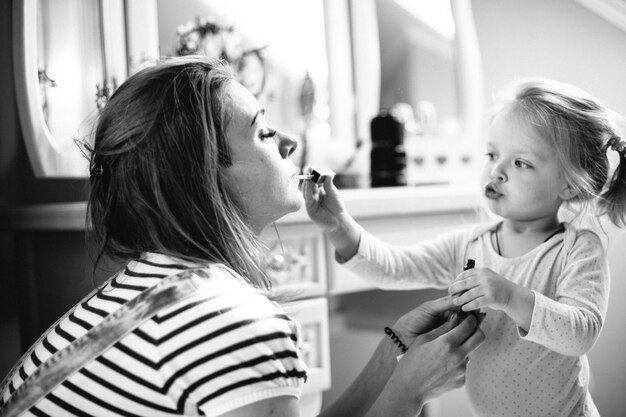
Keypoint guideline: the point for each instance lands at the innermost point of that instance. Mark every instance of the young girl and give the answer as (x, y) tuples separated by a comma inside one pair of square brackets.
[(542, 281)]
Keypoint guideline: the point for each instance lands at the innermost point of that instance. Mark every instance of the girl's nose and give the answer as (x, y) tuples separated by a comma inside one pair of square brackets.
[(497, 173), (286, 144)]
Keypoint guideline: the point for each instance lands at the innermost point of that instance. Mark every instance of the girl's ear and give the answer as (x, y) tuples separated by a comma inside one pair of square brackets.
[(567, 193)]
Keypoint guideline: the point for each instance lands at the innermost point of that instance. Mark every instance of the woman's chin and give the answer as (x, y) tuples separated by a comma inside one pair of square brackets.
[(292, 204), (298, 202)]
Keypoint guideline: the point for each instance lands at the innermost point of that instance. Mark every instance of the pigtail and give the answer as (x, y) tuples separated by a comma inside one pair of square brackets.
[(613, 201)]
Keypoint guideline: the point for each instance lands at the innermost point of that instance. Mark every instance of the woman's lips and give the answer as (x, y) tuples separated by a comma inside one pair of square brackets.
[(491, 192)]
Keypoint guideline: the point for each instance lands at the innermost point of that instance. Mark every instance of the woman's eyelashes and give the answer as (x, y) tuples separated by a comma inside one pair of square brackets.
[(267, 133)]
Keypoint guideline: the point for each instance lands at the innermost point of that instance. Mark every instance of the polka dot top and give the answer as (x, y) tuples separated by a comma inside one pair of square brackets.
[(543, 372)]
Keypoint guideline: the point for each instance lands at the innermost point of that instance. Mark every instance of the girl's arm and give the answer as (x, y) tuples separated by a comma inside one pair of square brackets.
[(327, 210), (570, 322), (424, 265)]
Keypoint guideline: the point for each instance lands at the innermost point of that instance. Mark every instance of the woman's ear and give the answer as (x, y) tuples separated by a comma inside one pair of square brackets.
[(567, 193)]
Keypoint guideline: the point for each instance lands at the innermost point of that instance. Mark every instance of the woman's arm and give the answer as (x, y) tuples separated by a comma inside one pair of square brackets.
[(434, 364)]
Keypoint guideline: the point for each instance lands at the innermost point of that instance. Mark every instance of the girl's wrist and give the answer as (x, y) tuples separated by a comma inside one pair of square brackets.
[(341, 225), (520, 306), (345, 236)]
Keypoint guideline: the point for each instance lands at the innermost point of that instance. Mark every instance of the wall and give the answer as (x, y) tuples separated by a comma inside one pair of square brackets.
[(18, 186), (557, 39), (563, 40)]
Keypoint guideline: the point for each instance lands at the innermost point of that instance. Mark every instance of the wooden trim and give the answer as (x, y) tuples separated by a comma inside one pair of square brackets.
[(362, 203), (44, 217)]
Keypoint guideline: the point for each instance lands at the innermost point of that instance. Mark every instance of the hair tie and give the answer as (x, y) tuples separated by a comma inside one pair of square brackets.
[(396, 339), (97, 170), (617, 144)]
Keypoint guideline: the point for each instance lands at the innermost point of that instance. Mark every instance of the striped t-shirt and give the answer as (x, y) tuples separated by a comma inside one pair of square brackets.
[(205, 355)]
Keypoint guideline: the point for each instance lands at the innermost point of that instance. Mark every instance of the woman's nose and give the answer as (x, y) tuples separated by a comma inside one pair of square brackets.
[(286, 144)]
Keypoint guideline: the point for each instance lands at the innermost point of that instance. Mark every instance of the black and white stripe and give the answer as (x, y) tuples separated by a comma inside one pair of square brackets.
[(217, 350)]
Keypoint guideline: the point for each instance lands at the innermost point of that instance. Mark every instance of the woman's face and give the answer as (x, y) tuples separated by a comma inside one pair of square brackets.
[(260, 177)]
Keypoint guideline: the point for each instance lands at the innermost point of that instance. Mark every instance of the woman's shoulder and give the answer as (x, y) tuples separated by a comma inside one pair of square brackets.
[(221, 292)]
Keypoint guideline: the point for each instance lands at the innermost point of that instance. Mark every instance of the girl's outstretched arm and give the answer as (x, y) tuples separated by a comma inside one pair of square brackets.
[(325, 207)]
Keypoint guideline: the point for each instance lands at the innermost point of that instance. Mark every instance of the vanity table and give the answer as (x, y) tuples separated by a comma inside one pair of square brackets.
[(54, 264)]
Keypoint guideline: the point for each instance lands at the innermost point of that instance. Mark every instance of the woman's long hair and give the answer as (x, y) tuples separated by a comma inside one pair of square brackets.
[(157, 171)]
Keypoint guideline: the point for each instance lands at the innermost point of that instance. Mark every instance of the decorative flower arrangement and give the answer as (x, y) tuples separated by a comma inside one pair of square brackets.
[(205, 36)]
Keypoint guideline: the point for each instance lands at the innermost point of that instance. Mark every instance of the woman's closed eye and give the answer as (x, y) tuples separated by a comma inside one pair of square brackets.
[(267, 134)]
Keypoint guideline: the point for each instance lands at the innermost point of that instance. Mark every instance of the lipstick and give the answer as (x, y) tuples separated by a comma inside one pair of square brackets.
[(470, 264), (314, 176)]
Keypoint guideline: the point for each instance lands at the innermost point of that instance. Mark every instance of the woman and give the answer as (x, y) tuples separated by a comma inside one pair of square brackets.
[(185, 174)]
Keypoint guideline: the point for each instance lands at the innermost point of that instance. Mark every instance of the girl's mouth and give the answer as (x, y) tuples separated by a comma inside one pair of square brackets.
[(491, 193)]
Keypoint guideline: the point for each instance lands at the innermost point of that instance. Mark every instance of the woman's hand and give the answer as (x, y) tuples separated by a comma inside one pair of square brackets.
[(424, 318), (436, 361), (437, 356)]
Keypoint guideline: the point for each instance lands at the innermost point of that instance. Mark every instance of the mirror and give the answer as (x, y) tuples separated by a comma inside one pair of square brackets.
[(425, 73), (311, 63), (277, 49), (58, 63), (71, 61)]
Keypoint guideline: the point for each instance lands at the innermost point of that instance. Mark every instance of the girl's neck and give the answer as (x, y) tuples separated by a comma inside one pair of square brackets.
[(531, 227), (515, 238)]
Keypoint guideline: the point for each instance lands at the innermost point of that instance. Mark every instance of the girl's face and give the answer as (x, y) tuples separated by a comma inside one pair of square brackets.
[(522, 179), (259, 178)]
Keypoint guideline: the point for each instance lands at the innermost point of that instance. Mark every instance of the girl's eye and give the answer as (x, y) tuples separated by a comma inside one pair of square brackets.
[(490, 156), (267, 135), (522, 164)]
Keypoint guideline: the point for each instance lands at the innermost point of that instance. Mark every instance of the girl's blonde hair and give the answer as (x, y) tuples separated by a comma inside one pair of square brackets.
[(580, 130)]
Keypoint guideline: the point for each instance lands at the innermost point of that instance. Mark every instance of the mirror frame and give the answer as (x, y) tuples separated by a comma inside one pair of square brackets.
[(47, 157)]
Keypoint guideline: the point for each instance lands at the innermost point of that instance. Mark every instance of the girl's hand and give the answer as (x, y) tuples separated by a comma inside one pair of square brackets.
[(481, 287), (323, 203), (325, 207)]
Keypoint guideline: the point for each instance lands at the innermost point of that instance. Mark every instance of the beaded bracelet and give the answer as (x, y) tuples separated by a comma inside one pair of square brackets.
[(396, 339)]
